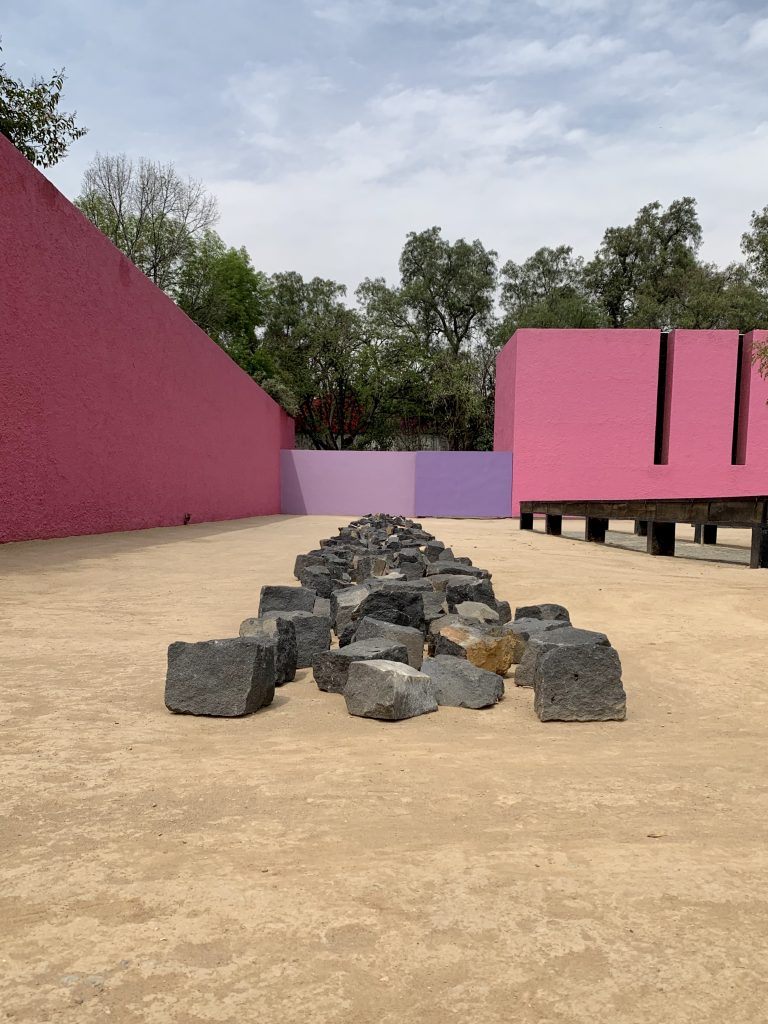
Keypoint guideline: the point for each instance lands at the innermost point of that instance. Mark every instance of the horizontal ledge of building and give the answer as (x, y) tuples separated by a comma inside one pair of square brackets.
[(746, 511)]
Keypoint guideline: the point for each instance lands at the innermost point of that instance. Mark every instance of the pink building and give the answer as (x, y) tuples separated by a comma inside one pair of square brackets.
[(616, 415)]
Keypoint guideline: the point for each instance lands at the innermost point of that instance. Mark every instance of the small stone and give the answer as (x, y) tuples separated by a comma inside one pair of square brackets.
[(433, 550), (475, 611), (388, 691), (538, 645), (367, 628), (313, 634), (543, 611), (480, 646), (283, 633), (460, 684), (220, 678), (579, 684), (331, 668), (286, 599)]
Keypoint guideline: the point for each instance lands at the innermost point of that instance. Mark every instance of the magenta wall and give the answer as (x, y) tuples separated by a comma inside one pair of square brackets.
[(116, 411), (348, 483), (578, 409)]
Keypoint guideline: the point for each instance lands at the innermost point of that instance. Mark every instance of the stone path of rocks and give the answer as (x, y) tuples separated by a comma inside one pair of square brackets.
[(417, 627)]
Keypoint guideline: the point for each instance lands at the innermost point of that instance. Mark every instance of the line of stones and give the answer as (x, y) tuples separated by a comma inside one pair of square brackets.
[(386, 587)]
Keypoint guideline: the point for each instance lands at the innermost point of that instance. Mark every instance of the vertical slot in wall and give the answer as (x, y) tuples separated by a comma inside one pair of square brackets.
[(661, 440), (741, 402)]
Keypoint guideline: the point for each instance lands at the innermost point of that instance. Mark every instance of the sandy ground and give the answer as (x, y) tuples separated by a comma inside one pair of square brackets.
[(303, 866)]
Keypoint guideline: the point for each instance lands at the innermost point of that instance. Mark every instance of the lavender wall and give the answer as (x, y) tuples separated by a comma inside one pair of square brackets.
[(403, 483), (578, 409), (347, 483), (116, 411), (463, 484)]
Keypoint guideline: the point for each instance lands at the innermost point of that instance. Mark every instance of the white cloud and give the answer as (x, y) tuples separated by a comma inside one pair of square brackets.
[(757, 41), (485, 55)]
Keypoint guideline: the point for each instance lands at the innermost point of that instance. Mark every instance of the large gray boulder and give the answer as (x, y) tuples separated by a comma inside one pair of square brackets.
[(331, 668), (460, 684), (367, 628), (344, 603), (286, 599), (402, 606), (221, 678), (388, 691), (319, 579), (469, 589), (543, 611), (282, 633), (313, 634), (537, 646), (579, 684)]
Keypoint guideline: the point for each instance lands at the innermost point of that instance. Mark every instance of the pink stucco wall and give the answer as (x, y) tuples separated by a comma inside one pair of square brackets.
[(116, 411), (578, 410), (348, 483)]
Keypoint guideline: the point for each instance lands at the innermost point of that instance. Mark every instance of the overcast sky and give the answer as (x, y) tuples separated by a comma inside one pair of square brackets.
[(329, 128)]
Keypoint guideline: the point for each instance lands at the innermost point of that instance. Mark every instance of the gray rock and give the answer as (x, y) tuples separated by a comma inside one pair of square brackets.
[(313, 634), (331, 668), (543, 611), (322, 607), (388, 691), (504, 610), (433, 549), (440, 581), (344, 603), (443, 567), (469, 589), (446, 555), (524, 629), (283, 633), (402, 606), (476, 611), (539, 644), (367, 628), (286, 599), (460, 684), (221, 678), (319, 579), (435, 605), (579, 684)]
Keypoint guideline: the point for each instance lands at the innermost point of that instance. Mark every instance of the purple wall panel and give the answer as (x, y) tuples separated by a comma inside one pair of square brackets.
[(347, 483), (464, 484)]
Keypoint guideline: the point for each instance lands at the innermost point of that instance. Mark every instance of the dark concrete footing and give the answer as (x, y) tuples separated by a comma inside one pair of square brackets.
[(661, 538)]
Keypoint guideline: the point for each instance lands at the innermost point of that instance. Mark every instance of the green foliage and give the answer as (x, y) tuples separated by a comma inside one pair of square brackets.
[(548, 290), (30, 118)]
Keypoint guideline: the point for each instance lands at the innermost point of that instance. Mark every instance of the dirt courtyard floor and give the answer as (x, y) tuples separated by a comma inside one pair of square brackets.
[(303, 866)]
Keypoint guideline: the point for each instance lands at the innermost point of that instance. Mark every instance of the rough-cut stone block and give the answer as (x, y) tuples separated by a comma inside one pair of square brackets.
[(286, 599), (504, 610), (442, 567), (331, 668), (433, 549), (460, 684), (367, 628), (477, 612), (322, 607), (469, 589), (538, 645), (523, 629), (543, 611), (440, 581), (579, 684), (480, 646), (388, 691), (319, 579), (401, 606), (435, 605), (282, 632), (221, 678), (344, 603), (313, 634)]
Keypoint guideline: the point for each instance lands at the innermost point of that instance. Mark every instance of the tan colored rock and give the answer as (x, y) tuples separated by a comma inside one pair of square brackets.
[(489, 649)]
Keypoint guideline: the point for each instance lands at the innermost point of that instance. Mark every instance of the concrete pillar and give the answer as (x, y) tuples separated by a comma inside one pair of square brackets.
[(641, 527), (526, 520), (554, 525), (759, 555)]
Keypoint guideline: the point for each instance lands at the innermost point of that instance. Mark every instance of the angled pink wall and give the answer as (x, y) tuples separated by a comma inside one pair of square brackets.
[(348, 483), (116, 411), (578, 410)]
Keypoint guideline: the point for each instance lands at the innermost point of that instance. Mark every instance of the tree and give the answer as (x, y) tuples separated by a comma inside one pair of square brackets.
[(639, 272), (322, 358), (754, 245), (149, 211), (547, 290), (432, 325), (30, 118)]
